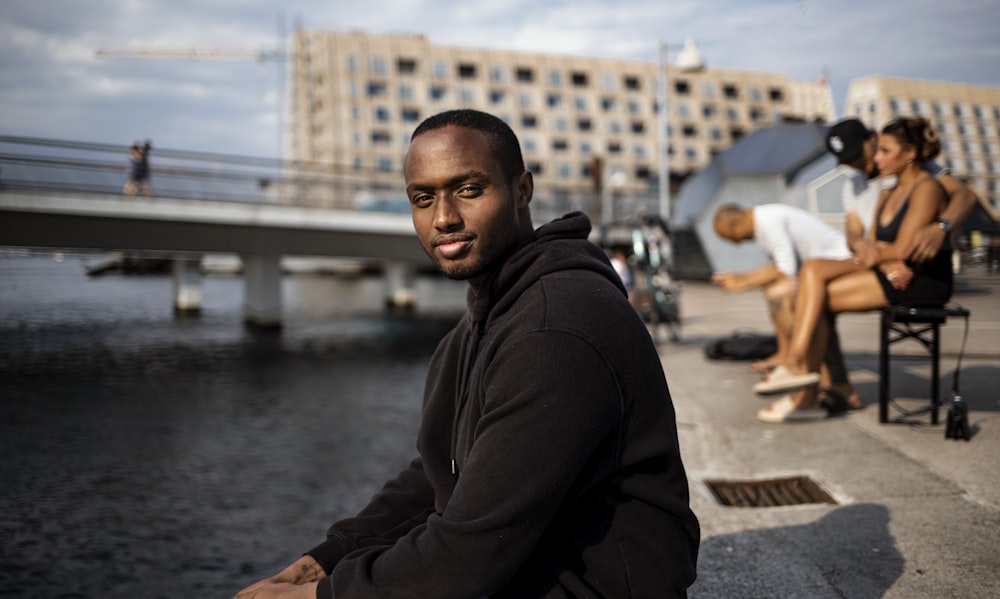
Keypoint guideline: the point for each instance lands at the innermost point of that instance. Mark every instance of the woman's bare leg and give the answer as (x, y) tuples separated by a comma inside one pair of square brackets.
[(810, 303), (852, 291)]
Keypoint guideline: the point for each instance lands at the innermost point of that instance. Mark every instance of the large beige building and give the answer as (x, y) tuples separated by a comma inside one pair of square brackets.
[(967, 117), (356, 98)]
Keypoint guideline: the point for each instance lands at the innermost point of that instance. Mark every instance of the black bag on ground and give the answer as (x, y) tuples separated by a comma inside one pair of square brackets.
[(741, 345)]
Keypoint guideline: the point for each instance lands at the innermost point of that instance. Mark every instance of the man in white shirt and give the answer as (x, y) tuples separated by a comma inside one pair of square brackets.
[(788, 236)]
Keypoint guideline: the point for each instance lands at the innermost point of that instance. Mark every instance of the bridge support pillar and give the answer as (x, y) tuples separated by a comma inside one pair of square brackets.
[(401, 293), (187, 285), (262, 290)]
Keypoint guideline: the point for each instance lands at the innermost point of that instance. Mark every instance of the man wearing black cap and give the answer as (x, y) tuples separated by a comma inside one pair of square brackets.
[(854, 146)]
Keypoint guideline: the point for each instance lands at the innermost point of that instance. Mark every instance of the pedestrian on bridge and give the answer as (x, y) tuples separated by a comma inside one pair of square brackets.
[(138, 172), (548, 458)]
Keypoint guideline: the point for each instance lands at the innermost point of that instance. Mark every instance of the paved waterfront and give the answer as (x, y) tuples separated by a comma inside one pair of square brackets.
[(918, 515)]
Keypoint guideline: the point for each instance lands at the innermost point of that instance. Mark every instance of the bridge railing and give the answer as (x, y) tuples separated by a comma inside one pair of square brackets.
[(48, 165)]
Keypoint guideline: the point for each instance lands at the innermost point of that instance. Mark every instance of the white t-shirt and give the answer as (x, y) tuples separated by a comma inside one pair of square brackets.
[(790, 236), (860, 194)]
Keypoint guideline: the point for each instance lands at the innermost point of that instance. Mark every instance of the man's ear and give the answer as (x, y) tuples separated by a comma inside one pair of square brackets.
[(524, 189)]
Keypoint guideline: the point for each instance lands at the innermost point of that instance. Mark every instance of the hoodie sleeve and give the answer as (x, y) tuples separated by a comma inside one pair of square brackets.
[(538, 431), (401, 504)]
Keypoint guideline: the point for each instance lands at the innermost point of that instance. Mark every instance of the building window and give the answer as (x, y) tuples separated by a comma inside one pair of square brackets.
[(708, 110), (529, 121), (555, 78), (640, 150), (683, 110), (609, 82), (586, 147), (776, 94), (755, 95), (534, 167), (564, 171), (631, 83), (708, 90), (633, 107), (584, 125), (382, 114), (405, 92), (410, 115), (438, 93), (580, 103), (380, 137), (614, 127), (375, 88), (690, 152), (732, 113), (496, 96), (406, 66), (730, 91), (466, 71), (378, 65), (553, 100), (529, 144), (638, 127), (893, 106), (525, 75), (756, 114), (468, 96), (642, 173), (579, 79), (689, 131), (385, 164), (559, 124), (498, 74), (607, 104), (440, 70), (614, 147), (682, 87), (525, 100), (560, 145)]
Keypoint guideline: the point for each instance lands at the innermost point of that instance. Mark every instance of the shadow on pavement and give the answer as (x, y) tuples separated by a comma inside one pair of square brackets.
[(850, 552)]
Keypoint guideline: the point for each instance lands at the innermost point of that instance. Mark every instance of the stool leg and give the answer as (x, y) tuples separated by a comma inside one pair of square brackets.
[(883, 369), (935, 373)]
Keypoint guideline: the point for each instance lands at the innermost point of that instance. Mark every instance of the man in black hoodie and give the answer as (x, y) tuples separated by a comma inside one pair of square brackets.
[(548, 459)]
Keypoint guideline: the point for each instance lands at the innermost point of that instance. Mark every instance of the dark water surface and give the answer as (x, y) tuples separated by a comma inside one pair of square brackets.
[(147, 456)]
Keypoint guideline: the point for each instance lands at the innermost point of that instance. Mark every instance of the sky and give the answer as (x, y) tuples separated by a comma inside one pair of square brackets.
[(53, 86)]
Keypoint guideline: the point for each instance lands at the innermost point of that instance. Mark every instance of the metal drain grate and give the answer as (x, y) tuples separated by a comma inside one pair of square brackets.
[(795, 490)]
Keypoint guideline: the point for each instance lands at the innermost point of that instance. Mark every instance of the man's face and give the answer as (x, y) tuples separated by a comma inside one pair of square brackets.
[(465, 212), (868, 155)]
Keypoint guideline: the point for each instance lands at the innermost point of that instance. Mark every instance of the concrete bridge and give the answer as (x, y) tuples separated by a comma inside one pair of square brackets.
[(67, 195)]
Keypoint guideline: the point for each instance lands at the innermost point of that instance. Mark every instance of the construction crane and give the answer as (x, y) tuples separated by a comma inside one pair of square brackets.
[(191, 54)]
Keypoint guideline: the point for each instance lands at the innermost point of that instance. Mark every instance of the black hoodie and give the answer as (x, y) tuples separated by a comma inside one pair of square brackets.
[(549, 464)]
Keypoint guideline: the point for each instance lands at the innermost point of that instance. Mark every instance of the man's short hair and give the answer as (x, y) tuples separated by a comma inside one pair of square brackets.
[(725, 219), (846, 140), (502, 140)]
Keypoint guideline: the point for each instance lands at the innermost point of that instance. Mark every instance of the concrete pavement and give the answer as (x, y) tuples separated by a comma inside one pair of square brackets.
[(917, 515)]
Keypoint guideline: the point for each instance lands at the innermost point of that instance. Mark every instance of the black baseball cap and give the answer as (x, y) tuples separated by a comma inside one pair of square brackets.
[(846, 140)]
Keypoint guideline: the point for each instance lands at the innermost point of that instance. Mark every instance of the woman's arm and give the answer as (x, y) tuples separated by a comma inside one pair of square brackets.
[(926, 202)]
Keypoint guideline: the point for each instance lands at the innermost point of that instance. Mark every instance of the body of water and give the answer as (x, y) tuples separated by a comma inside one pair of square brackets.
[(143, 455)]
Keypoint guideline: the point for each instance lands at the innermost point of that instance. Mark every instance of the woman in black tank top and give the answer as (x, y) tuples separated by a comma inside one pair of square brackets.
[(846, 286)]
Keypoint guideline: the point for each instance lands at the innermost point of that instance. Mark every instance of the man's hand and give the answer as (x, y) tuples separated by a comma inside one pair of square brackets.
[(295, 579), (926, 242), (729, 281), (280, 590)]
